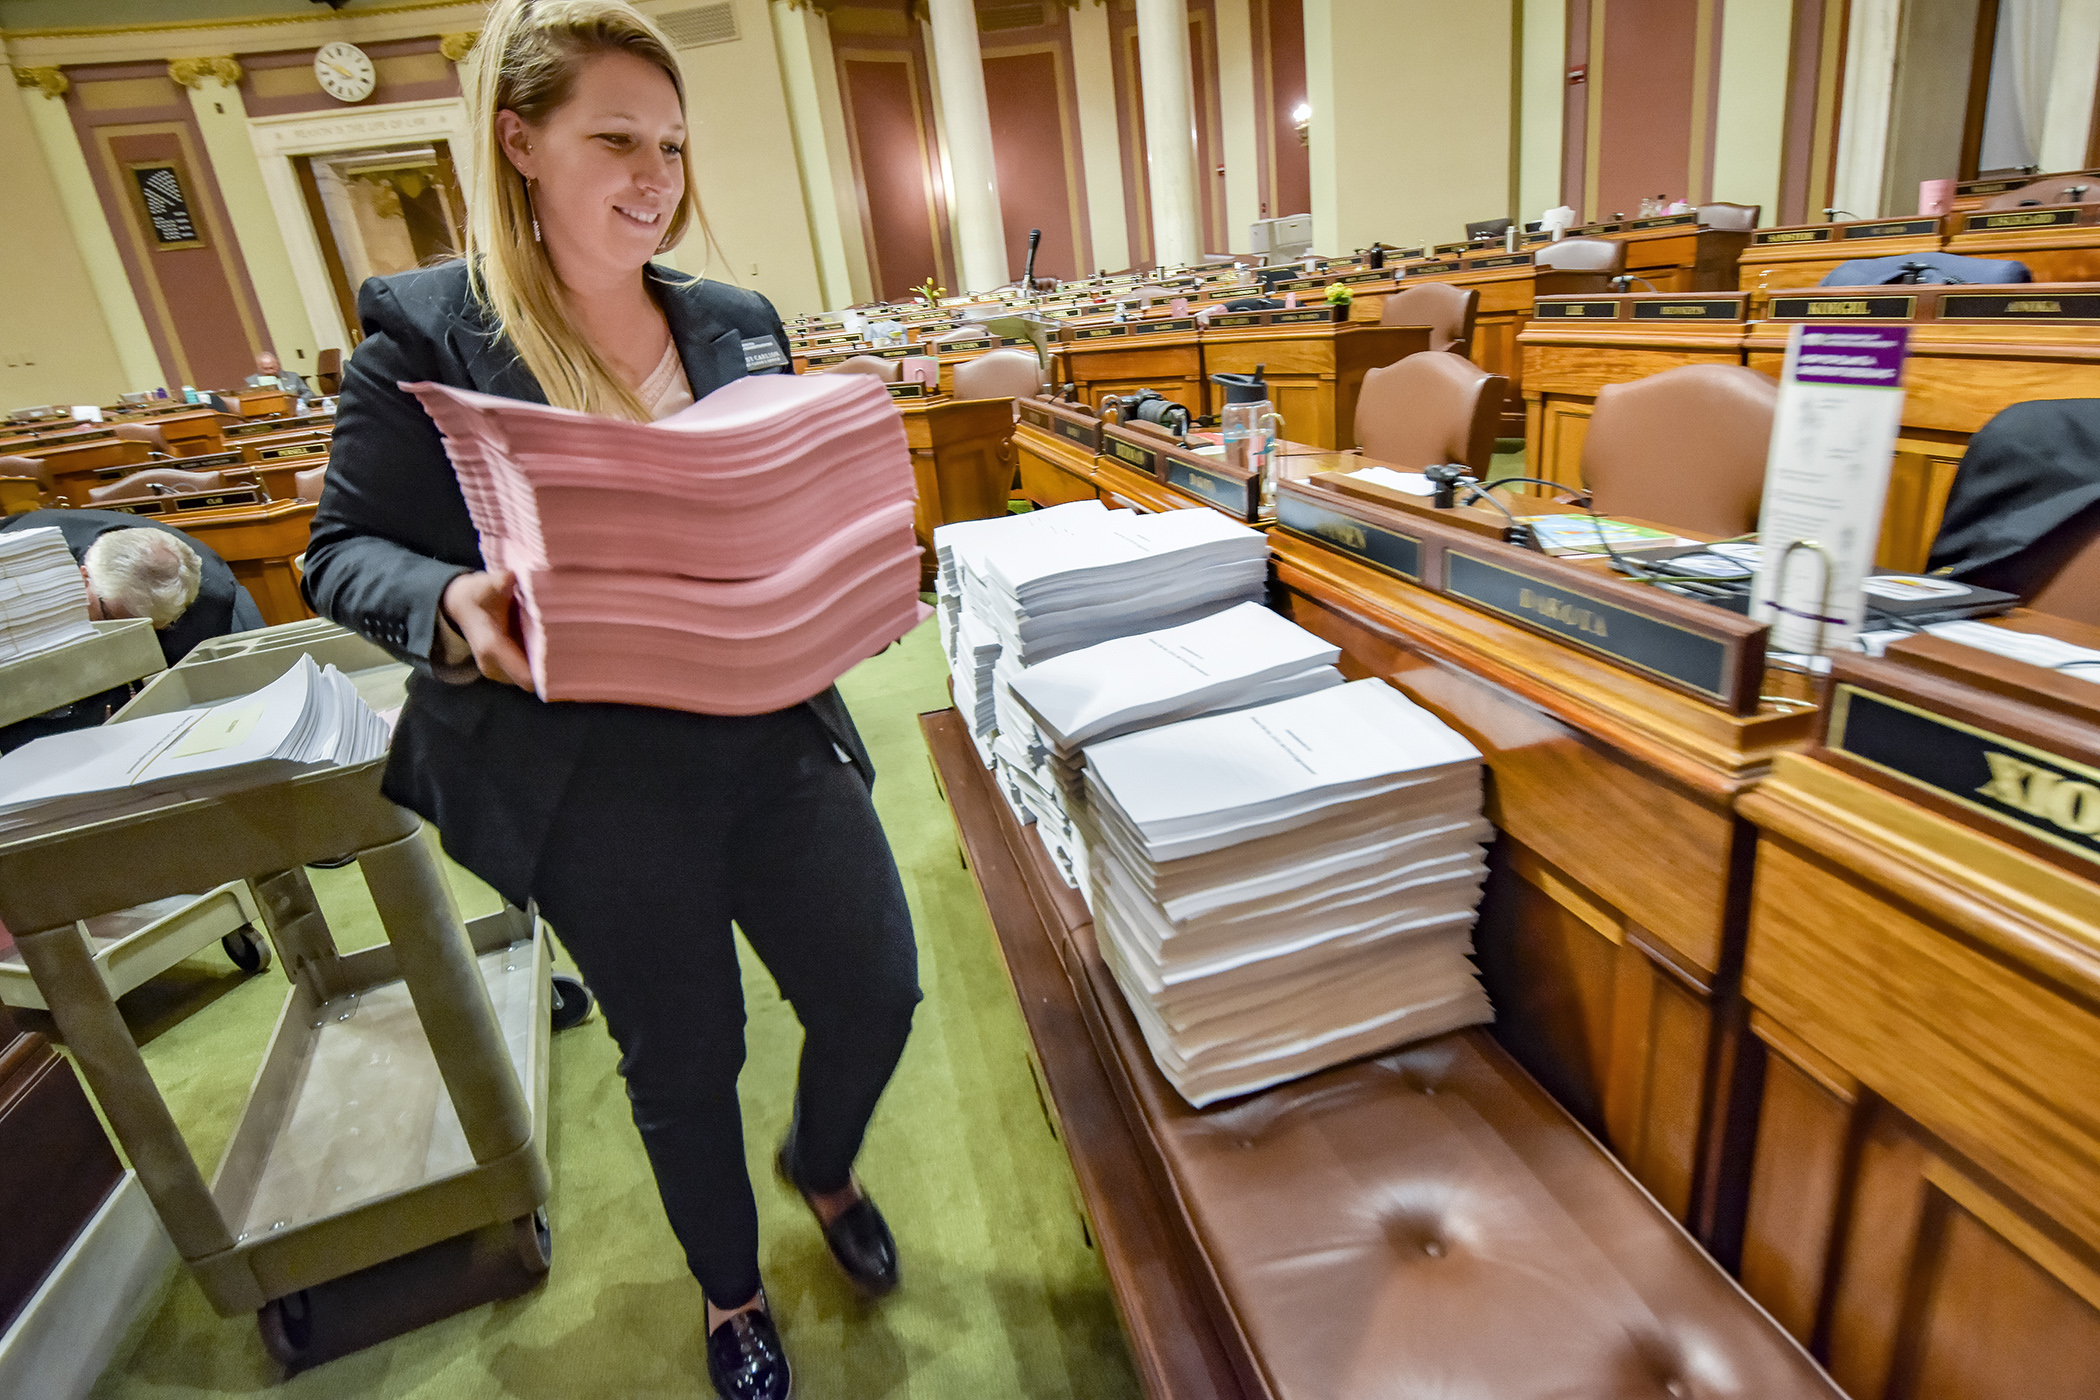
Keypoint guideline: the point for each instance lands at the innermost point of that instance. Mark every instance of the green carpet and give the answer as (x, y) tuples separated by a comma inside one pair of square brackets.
[(1003, 1295)]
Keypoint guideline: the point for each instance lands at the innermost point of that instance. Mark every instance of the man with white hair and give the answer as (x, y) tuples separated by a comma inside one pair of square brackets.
[(137, 567)]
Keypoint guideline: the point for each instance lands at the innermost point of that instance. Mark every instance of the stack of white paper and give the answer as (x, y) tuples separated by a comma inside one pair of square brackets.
[(43, 598), (1282, 888), (305, 719)]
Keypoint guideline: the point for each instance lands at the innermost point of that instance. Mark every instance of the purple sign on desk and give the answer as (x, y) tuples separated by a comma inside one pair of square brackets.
[(1856, 356)]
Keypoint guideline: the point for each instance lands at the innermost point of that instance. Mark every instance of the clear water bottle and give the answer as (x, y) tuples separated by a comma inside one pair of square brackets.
[(1249, 424)]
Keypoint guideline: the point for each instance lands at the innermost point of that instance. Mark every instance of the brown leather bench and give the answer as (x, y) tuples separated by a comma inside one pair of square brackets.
[(1428, 1222)]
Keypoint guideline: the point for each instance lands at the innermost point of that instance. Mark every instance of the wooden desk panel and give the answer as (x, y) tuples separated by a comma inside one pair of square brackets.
[(1315, 373), (962, 461), (2054, 255), (1768, 267), (77, 470), (259, 544), (1925, 1202), (1053, 471), (1171, 364), (1615, 918)]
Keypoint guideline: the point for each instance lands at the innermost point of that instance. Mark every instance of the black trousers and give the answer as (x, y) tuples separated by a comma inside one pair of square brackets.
[(674, 826)]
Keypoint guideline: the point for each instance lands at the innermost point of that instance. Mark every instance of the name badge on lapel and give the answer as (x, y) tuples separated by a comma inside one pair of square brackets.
[(763, 352)]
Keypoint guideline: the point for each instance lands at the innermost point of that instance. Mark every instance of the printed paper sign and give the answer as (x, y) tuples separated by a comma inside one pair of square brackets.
[(1826, 478)]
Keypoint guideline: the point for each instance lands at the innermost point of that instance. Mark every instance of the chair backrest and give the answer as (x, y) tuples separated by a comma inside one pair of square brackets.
[(1605, 255), (2053, 189), (35, 467), (885, 370), (1430, 409), (328, 370), (1448, 311), (1482, 230), (2073, 590), (157, 481), (999, 374), (22, 485), (310, 481), (1733, 218), (148, 433), (1683, 449)]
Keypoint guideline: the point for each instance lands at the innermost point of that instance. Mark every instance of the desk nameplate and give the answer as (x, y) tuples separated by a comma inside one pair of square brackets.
[(895, 352), (1376, 274), (1393, 551), (1230, 492), (2018, 306), (1443, 250), (1850, 308), (1597, 310), (1662, 221), (912, 390), (1170, 326), (2020, 789), (1780, 237), (1109, 332), (2021, 220), (196, 500), (284, 453), (1425, 269), (1135, 455), (1690, 309), (1892, 228), (1500, 260), (1314, 315), (1052, 419)]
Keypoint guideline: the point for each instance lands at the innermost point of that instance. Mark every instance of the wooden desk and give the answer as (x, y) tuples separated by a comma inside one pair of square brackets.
[(2058, 244), (1802, 255), (1574, 346), (259, 544), (74, 470), (300, 442), (1055, 449), (1617, 902), (1923, 972), (1315, 371), (962, 461), (1104, 358), (192, 434), (2001, 347)]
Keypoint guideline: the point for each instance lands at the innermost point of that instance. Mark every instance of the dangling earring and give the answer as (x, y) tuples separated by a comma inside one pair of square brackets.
[(533, 206)]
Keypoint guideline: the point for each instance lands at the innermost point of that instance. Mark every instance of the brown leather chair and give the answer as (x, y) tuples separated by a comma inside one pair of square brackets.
[(1601, 255), (1448, 311), (1683, 449), (328, 371), (156, 481), (999, 374), (1732, 218), (310, 482), (23, 485), (2052, 189), (964, 332), (2073, 590), (885, 370), (148, 433), (1430, 409)]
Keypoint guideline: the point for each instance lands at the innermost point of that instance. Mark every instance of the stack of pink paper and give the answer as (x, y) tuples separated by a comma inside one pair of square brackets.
[(734, 558)]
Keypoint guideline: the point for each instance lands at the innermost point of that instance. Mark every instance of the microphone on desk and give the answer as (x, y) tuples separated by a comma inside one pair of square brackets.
[(1035, 240), (1831, 214)]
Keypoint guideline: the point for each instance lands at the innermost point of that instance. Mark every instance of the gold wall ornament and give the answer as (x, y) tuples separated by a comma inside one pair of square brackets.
[(192, 72), (456, 47), (49, 81)]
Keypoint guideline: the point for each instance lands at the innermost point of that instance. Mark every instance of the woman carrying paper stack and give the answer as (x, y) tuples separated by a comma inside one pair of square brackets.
[(641, 832)]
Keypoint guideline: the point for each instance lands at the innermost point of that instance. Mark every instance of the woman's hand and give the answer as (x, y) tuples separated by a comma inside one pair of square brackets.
[(480, 606)]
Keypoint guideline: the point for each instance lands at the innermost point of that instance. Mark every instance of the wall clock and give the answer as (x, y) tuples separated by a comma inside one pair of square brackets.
[(345, 72)]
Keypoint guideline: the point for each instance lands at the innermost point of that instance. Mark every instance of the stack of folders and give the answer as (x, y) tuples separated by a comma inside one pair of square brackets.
[(305, 720), (735, 558), (1283, 888), (43, 598)]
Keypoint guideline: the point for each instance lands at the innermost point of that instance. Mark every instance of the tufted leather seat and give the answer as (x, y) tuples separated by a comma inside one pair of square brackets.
[(1685, 448), (1448, 311), (1426, 410), (1430, 1223), (1000, 374)]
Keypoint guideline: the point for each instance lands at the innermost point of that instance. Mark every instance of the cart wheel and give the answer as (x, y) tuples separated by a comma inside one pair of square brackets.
[(535, 1242), (249, 953), (287, 1325), (572, 1001)]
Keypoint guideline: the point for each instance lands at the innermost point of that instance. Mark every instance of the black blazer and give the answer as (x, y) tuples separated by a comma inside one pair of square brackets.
[(221, 606), (485, 762)]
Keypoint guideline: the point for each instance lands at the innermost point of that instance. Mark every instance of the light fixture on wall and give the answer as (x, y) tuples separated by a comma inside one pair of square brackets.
[(1301, 122)]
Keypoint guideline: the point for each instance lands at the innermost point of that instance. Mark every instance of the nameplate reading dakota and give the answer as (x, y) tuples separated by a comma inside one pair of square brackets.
[(2053, 799), (1691, 659)]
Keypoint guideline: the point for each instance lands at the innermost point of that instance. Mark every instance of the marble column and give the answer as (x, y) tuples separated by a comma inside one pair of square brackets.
[(1170, 130), (980, 228)]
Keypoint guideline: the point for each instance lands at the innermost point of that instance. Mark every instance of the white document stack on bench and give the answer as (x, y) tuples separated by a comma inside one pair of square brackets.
[(305, 720), (43, 598), (1283, 888)]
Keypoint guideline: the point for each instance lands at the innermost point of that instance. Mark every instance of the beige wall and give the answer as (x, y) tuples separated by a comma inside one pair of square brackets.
[(1411, 133), (55, 346), (1750, 125)]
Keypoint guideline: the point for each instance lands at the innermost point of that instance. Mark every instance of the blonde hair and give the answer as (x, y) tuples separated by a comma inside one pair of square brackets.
[(143, 572), (526, 62)]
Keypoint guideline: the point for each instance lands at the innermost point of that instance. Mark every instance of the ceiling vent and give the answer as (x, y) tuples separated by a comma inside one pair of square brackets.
[(700, 26), (1009, 14)]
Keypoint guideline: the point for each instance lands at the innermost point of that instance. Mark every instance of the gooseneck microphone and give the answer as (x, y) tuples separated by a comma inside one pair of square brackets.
[(1035, 240)]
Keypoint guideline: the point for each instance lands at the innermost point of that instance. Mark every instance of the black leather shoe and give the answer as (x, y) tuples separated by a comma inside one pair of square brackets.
[(860, 1238), (746, 1361)]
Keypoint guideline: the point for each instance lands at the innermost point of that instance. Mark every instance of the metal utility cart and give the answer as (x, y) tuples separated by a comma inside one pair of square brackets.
[(390, 1166)]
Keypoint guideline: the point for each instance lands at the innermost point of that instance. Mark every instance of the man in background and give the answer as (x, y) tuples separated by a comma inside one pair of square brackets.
[(271, 374), (136, 567)]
